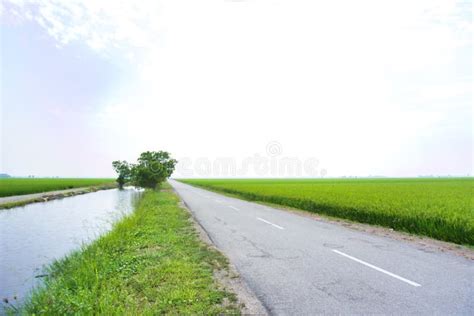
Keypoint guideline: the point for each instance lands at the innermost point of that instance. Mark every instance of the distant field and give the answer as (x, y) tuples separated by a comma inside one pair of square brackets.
[(441, 208), (20, 186)]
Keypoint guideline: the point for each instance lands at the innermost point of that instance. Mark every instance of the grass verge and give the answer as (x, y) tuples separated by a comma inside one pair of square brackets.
[(152, 262)]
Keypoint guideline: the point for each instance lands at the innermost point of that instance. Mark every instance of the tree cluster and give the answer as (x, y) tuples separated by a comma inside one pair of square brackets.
[(151, 169)]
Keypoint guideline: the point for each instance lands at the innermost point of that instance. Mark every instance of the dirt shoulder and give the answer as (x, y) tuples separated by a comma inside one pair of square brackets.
[(421, 242)]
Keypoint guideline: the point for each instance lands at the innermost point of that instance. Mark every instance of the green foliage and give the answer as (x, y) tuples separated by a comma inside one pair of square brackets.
[(151, 169), (440, 208), (158, 160), (122, 168), (151, 263), (21, 186)]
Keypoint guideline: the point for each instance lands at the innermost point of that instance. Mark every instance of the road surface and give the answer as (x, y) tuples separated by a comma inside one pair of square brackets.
[(300, 266)]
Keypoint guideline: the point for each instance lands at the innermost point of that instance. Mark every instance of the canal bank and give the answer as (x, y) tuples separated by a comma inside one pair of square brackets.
[(35, 235), (20, 200), (152, 261)]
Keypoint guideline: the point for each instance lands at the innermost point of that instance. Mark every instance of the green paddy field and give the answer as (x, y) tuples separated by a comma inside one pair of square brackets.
[(440, 208), (21, 186)]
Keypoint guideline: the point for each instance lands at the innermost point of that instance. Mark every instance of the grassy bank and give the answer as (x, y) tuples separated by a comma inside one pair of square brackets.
[(440, 208), (21, 186), (152, 262)]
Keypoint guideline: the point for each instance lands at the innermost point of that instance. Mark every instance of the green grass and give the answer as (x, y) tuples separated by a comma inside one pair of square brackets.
[(21, 186), (440, 208), (152, 262)]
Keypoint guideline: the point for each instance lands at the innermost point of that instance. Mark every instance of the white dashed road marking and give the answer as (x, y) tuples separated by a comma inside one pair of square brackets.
[(393, 275), (270, 223)]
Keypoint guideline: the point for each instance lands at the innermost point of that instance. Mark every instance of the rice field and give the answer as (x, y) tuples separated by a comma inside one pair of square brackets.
[(440, 208), (21, 186)]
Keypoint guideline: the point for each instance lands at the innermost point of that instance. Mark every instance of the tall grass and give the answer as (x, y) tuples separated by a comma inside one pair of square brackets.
[(21, 186), (151, 263), (440, 208)]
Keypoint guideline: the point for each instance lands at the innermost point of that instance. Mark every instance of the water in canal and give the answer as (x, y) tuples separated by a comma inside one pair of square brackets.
[(34, 235)]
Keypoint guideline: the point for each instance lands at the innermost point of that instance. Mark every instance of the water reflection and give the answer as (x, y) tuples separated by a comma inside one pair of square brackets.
[(36, 234)]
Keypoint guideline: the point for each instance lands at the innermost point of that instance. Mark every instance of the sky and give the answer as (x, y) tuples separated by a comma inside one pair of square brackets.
[(257, 88)]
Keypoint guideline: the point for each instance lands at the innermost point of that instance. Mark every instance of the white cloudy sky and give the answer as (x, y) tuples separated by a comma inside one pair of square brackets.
[(366, 87)]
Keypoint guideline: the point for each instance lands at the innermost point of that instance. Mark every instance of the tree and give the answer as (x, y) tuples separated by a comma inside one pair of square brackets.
[(151, 169), (123, 170)]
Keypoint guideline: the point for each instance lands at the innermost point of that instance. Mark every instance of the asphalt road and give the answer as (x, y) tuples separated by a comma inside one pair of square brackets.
[(300, 266)]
